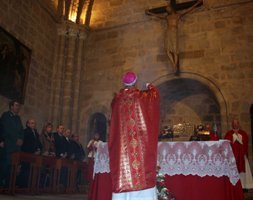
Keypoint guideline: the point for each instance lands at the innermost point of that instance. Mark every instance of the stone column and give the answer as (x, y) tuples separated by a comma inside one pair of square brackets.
[(68, 66), (80, 47), (67, 72), (56, 91)]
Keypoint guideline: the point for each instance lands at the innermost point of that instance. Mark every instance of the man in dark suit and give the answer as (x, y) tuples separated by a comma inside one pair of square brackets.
[(32, 142), (59, 142), (68, 144), (12, 132), (31, 145), (79, 155), (61, 151), (77, 148)]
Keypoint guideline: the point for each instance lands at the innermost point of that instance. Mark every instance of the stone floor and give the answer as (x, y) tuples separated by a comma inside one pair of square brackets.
[(248, 196), (44, 197)]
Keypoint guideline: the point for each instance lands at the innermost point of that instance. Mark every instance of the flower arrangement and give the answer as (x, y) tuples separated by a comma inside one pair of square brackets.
[(162, 192)]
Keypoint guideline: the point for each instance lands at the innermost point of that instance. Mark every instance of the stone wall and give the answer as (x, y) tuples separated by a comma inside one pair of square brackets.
[(53, 85), (32, 25), (215, 49), (71, 79)]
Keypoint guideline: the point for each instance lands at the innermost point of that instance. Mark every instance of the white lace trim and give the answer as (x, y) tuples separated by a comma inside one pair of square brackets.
[(198, 158), (186, 158), (101, 164)]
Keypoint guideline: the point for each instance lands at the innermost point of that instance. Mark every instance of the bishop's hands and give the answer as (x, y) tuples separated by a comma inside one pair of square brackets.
[(237, 138), (148, 85)]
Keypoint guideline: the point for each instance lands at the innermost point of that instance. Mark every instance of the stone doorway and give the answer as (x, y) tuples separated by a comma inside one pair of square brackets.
[(97, 124), (188, 102)]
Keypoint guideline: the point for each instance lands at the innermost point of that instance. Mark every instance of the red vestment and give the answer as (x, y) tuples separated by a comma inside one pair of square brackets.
[(239, 150), (133, 139), (213, 136)]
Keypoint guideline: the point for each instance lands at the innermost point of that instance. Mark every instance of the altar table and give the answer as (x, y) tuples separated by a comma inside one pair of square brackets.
[(193, 171)]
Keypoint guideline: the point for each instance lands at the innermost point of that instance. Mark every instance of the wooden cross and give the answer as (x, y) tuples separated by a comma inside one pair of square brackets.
[(172, 16), (176, 6)]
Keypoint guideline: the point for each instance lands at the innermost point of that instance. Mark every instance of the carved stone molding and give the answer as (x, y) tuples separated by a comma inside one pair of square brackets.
[(72, 30)]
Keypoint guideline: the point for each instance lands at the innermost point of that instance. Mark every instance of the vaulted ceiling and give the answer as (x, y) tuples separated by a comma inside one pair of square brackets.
[(77, 11)]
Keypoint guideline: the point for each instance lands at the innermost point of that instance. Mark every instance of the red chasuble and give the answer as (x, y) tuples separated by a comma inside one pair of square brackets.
[(239, 150), (133, 139)]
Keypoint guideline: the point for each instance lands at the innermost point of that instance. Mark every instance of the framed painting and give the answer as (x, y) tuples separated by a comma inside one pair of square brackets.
[(14, 66)]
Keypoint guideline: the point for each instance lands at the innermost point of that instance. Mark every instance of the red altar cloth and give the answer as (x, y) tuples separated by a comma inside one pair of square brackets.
[(183, 187), (203, 188), (193, 171)]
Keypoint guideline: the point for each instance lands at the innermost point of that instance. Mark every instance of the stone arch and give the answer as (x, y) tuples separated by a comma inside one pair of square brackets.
[(94, 110), (97, 123), (209, 87)]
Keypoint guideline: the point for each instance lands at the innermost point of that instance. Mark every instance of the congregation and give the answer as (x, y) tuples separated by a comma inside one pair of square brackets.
[(61, 144)]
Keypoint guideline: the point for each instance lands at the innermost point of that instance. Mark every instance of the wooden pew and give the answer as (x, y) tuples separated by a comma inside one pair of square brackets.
[(53, 167), (35, 165)]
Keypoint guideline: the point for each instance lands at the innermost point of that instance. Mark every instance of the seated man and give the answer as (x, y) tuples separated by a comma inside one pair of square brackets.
[(239, 143)]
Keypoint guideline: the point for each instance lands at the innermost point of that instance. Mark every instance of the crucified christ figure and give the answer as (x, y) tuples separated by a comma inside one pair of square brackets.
[(171, 40)]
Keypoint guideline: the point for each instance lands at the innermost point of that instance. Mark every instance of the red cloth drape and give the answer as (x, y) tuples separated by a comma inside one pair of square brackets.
[(213, 137), (203, 188), (100, 187), (134, 129), (183, 187)]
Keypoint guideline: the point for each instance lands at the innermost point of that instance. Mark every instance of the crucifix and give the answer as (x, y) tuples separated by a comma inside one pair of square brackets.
[(173, 13)]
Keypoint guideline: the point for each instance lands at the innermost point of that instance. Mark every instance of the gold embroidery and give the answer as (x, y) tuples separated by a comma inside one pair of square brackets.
[(136, 164), (131, 122), (132, 133), (134, 143), (139, 185), (137, 175), (134, 154)]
